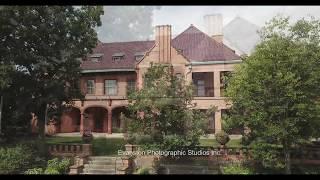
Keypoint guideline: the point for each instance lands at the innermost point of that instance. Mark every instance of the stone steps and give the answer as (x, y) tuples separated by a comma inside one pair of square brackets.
[(100, 165), (188, 169)]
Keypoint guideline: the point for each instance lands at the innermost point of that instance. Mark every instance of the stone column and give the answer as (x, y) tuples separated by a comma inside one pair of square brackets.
[(109, 121), (216, 83), (105, 123), (217, 122), (81, 122)]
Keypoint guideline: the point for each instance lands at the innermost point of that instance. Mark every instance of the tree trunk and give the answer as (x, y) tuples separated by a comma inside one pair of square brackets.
[(41, 120), (287, 159), (1, 104)]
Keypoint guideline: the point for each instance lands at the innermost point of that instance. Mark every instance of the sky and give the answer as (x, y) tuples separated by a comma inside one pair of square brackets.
[(180, 17)]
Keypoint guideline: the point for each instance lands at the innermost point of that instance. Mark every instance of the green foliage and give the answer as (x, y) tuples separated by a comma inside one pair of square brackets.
[(54, 166), (236, 169), (143, 170), (275, 91), (15, 159), (45, 45), (165, 110), (143, 139), (222, 137), (269, 155), (51, 171), (62, 166), (34, 171)]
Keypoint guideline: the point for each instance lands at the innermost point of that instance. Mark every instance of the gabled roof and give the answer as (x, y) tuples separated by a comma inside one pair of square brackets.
[(198, 46), (193, 44)]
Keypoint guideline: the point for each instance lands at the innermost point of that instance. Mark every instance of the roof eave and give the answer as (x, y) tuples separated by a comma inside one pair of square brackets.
[(215, 62), (106, 70)]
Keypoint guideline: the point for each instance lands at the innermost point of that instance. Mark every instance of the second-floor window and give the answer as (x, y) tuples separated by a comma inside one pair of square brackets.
[(110, 87), (90, 87), (131, 86), (200, 88)]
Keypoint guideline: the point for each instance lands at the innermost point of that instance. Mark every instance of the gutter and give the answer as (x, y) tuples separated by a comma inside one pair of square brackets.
[(215, 62), (106, 70)]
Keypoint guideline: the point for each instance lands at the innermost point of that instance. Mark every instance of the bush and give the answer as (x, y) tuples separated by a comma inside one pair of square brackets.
[(143, 139), (34, 171), (51, 171), (15, 159), (143, 170), (54, 166), (61, 166), (236, 169), (222, 137)]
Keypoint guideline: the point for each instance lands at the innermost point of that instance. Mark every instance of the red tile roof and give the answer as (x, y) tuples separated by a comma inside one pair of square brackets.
[(195, 45), (198, 46)]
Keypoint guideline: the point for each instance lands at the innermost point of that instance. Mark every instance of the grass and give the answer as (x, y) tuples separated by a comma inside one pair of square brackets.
[(214, 143), (101, 146)]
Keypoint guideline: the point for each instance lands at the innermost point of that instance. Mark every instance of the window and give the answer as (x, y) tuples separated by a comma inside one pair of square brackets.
[(131, 85), (138, 57), (117, 57), (90, 87), (200, 88), (110, 87), (96, 57)]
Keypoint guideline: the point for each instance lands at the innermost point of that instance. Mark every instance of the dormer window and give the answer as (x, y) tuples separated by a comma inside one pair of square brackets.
[(117, 57), (96, 57), (138, 56)]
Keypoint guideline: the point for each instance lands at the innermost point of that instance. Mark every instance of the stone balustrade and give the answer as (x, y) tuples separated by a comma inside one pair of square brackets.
[(70, 150)]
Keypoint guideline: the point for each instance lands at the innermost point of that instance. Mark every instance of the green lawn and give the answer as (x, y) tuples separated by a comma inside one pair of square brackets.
[(101, 146), (214, 143)]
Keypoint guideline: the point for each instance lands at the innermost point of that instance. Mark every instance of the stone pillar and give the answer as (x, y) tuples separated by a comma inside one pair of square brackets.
[(217, 121), (105, 123), (81, 122), (216, 83), (109, 121)]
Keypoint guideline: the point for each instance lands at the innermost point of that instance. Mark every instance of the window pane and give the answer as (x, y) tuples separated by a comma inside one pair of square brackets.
[(90, 86), (201, 89), (111, 87)]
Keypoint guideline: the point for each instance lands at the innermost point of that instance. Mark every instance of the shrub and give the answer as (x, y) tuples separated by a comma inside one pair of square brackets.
[(222, 137), (236, 169), (34, 171), (51, 171), (61, 166), (143, 170), (15, 159), (143, 139)]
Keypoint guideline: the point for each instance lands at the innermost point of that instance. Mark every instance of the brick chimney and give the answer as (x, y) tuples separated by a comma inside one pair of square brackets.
[(163, 43), (214, 25)]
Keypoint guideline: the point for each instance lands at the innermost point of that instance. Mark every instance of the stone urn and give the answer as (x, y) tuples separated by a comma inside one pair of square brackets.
[(87, 137)]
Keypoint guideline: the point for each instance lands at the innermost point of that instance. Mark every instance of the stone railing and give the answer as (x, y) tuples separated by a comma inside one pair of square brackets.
[(70, 150)]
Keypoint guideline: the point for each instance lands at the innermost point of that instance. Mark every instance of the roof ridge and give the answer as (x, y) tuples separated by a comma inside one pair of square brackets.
[(127, 42)]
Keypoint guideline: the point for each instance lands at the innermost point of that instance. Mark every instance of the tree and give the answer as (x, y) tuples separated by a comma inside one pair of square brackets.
[(275, 91), (165, 110), (45, 44), (126, 23)]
